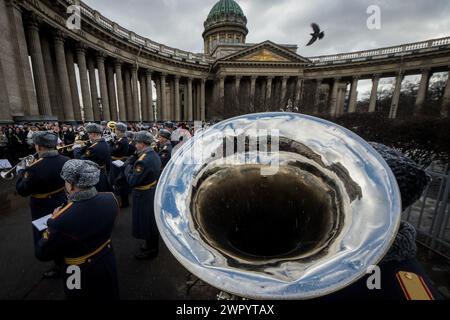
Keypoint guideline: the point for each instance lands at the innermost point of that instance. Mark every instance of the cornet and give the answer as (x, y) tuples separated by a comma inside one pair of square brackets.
[(69, 147), (10, 174)]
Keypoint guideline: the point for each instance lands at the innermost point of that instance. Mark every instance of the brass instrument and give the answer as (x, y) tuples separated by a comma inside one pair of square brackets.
[(69, 147), (112, 125), (10, 174), (293, 213)]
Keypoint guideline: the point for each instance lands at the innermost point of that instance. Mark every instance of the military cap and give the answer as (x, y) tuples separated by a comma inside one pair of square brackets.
[(169, 125), (81, 173), (129, 135), (144, 137), (45, 138), (122, 127), (165, 134), (93, 128), (104, 123)]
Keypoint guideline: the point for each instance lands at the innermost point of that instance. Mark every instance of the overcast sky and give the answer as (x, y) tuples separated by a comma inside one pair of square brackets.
[(179, 23)]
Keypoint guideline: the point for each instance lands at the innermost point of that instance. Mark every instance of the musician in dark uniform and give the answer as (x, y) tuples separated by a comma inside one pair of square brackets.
[(120, 152), (99, 152), (131, 143), (142, 174), (41, 180), (164, 146), (80, 234)]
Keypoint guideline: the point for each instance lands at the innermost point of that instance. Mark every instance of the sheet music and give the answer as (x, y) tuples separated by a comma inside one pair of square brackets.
[(118, 163), (41, 223), (5, 164)]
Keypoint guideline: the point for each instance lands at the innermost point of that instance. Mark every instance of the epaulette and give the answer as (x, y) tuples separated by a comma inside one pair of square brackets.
[(142, 157), (61, 211), (35, 162), (413, 286)]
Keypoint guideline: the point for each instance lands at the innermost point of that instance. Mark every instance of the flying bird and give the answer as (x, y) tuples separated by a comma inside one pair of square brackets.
[(316, 35)]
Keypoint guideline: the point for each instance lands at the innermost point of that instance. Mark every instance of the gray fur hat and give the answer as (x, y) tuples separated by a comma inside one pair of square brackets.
[(122, 127), (46, 139), (81, 173), (144, 137), (130, 135), (93, 128)]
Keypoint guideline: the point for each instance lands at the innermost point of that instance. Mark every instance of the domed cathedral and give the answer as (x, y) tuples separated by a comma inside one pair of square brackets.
[(226, 26), (248, 77)]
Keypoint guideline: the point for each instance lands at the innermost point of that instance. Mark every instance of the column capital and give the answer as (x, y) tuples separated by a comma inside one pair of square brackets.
[(238, 77), (426, 69), (134, 68), (337, 78), (148, 72), (270, 77), (81, 47), (59, 36), (376, 76), (33, 21), (14, 3), (253, 78), (177, 77), (118, 63), (319, 80), (356, 78), (285, 78), (163, 74)]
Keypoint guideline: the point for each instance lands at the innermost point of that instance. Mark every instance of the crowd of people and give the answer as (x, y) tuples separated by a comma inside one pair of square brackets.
[(16, 139), (82, 175)]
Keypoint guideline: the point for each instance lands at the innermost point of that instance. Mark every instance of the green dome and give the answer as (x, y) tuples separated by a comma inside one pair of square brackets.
[(225, 7)]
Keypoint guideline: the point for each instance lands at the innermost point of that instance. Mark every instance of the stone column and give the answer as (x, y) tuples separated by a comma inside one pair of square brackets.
[(128, 94), (103, 86), (374, 93), (268, 89), (53, 88), (94, 91), (134, 88), (5, 111), (252, 92), (284, 91), (298, 91), (158, 99), (111, 91), (317, 96), (37, 61), (63, 77), (144, 98), (353, 99), (151, 114), (86, 95), (177, 98), (396, 96), (120, 91), (170, 102), (18, 78), (73, 84), (422, 92), (203, 100), (163, 115), (334, 97), (189, 100), (445, 106)]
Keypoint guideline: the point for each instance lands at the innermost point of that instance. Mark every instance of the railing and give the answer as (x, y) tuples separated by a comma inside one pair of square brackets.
[(381, 53), (110, 26), (430, 215), (90, 14)]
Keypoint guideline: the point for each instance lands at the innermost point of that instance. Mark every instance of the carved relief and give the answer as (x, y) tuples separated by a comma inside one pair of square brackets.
[(264, 55)]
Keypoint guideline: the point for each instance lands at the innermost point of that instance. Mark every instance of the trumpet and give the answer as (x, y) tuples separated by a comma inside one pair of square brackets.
[(69, 147), (10, 174)]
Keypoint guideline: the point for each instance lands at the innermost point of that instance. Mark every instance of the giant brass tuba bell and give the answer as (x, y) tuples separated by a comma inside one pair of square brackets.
[(293, 214)]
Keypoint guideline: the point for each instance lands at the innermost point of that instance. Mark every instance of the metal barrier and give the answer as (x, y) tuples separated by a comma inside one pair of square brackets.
[(430, 215)]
